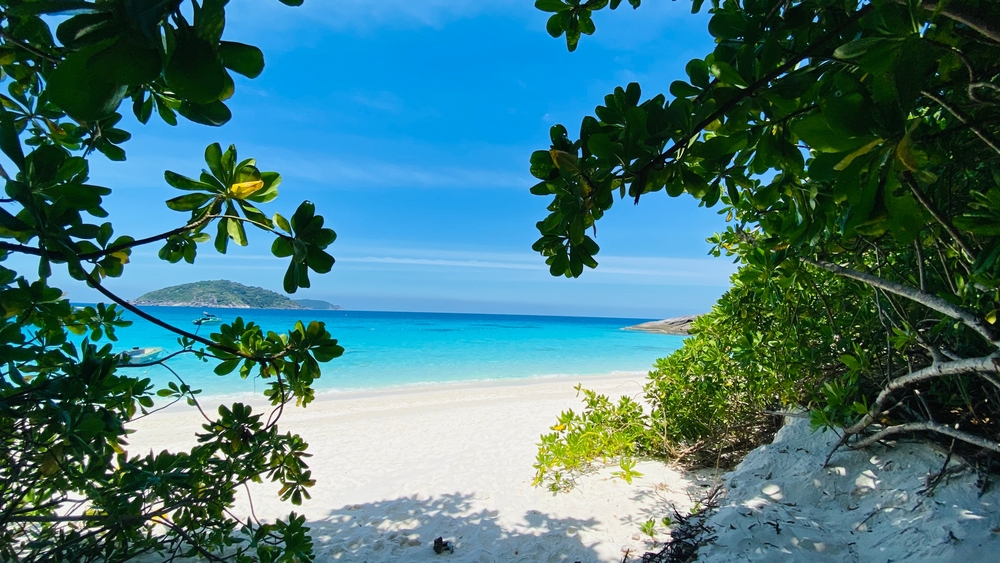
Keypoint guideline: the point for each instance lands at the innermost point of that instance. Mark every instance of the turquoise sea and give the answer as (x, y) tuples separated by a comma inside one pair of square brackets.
[(384, 349)]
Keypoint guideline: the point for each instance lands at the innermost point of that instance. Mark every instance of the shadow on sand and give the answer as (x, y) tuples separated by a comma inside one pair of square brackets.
[(404, 529)]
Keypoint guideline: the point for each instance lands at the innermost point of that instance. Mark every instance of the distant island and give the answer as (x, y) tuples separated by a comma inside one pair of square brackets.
[(318, 304), (226, 294), (680, 326)]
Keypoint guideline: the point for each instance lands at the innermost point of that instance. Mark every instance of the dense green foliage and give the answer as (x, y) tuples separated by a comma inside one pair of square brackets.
[(852, 147), (69, 487), (217, 293)]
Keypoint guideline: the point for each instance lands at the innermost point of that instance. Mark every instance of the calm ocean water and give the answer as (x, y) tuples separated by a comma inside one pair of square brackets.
[(395, 349)]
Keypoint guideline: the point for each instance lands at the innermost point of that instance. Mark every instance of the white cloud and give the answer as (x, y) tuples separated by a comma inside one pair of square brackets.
[(627, 270), (377, 172), (643, 270)]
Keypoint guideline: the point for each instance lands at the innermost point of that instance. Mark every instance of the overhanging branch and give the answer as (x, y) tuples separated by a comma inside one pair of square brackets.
[(176, 330), (751, 90)]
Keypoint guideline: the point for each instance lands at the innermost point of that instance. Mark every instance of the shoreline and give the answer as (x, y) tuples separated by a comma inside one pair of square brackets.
[(397, 468), (430, 386)]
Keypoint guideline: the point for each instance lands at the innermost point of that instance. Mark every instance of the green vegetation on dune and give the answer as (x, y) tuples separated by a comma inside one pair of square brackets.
[(853, 149), (227, 294)]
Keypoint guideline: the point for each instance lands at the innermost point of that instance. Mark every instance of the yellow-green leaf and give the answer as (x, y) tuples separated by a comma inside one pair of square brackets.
[(242, 190)]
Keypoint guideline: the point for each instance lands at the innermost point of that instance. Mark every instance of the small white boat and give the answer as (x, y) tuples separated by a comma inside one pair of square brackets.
[(207, 318), (139, 355)]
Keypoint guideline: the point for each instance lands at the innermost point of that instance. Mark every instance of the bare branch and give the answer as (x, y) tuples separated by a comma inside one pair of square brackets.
[(926, 299), (927, 426), (986, 364)]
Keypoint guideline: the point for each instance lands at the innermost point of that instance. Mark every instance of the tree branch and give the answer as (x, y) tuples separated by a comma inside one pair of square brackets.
[(986, 364), (20, 248), (202, 221), (752, 90), (37, 52), (930, 207), (985, 137), (970, 17), (35, 251), (927, 426), (926, 299)]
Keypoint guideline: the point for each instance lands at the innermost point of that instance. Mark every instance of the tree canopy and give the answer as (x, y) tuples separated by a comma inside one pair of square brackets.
[(69, 487), (852, 148)]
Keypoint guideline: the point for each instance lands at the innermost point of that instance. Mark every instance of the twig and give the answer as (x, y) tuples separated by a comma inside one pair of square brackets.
[(29, 48), (983, 136), (921, 274), (919, 195), (936, 480)]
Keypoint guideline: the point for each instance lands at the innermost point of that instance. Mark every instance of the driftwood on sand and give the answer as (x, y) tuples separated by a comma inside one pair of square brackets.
[(676, 325)]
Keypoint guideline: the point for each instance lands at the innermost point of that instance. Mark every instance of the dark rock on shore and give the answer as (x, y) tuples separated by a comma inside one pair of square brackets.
[(677, 325)]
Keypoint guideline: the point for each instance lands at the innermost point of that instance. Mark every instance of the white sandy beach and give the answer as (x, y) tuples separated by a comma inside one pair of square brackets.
[(397, 468)]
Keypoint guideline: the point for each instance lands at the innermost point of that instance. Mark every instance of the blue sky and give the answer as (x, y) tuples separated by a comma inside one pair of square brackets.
[(409, 124)]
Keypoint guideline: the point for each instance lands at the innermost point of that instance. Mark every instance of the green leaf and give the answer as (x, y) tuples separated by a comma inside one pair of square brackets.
[(856, 48), (554, 26), (303, 215), (816, 132), (282, 223), (551, 5), (222, 236), (86, 29), (213, 157), (850, 361), (290, 283), (10, 144), (542, 166), (227, 366), (214, 114), (194, 71), (244, 59), (185, 183), (727, 25), (188, 202), (728, 75), (697, 71), (236, 232), (125, 61), (83, 96), (681, 89)]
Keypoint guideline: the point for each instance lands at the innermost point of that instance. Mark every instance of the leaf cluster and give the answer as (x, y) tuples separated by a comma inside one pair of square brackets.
[(69, 487)]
